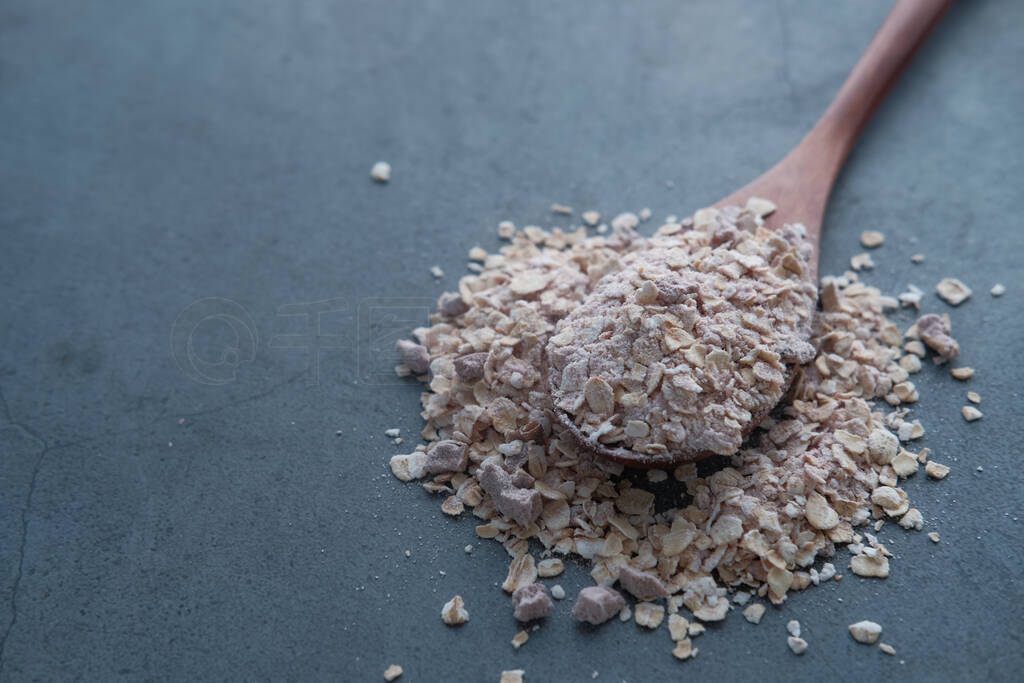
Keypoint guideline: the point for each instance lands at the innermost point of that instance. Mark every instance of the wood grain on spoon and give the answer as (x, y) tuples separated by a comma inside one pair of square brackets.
[(800, 184)]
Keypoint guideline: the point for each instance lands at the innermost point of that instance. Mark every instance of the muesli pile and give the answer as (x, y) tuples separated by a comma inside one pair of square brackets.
[(827, 461), (690, 341)]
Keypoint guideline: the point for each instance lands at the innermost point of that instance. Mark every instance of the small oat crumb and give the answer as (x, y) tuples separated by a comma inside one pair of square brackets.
[(381, 172), (684, 649), (562, 209), (557, 592), (452, 506), (872, 238), (793, 627), (436, 271), (454, 612), (678, 627), (962, 374), (468, 548), (506, 230), (408, 553), (591, 218), (181, 421), (761, 207), (550, 567), (934, 535), (520, 639), (887, 648), (645, 214), (392, 433), (866, 632), (392, 672), (917, 258), (973, 397), (655, 476), (754, 612), (797, 645), (971, 413), (513, 676), (997, 290), (861, 262), (952, 291), (478, 254), (649, 615), (935, 470)]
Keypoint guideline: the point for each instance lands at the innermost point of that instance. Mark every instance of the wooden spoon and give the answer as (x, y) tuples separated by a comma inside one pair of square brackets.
[(800, 184)]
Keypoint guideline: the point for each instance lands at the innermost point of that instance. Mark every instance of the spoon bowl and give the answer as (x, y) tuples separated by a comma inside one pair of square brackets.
[(800, 184)]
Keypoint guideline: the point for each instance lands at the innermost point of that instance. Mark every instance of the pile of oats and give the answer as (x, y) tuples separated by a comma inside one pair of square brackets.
[(690, 341), (827, 462)]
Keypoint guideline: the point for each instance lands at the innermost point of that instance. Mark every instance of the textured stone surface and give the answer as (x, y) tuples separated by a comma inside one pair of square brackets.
[(157, 154)]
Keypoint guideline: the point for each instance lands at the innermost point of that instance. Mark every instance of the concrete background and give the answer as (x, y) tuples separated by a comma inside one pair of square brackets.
[(160, 154)]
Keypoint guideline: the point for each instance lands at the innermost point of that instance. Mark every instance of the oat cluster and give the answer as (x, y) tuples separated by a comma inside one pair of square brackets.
[(691, 340), (759, 525)]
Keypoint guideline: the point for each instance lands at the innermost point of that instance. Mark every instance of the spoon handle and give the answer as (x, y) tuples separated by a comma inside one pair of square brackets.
[(800, 184), (902, 33)]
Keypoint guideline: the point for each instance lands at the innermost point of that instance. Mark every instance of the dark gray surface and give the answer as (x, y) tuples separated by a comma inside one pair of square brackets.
[(158, 153)]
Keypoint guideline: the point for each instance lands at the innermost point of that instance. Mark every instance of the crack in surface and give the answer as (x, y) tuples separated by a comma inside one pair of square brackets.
[(46, 449)]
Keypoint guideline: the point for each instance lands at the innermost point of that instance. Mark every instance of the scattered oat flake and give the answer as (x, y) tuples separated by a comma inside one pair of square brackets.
[(454, 612), (678, 627), (797, 645), (971, 413), (520, 639), (862, 262), (645, 214), (436, 271), (684, 649), (392, 672), (550, 567), (392, 433), (656, 476), (887, 649), (754, 612), (962, 374), (973, 397), (793, 627), (952, 291), (917, 258), (872, 239), (562, 209), (512, 676), (591, 218), (866, 632), (997, 290), (936, 470), (649, 615), (934, 536), (477, 254), (557, 592), (761, 207), (381, 172)]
